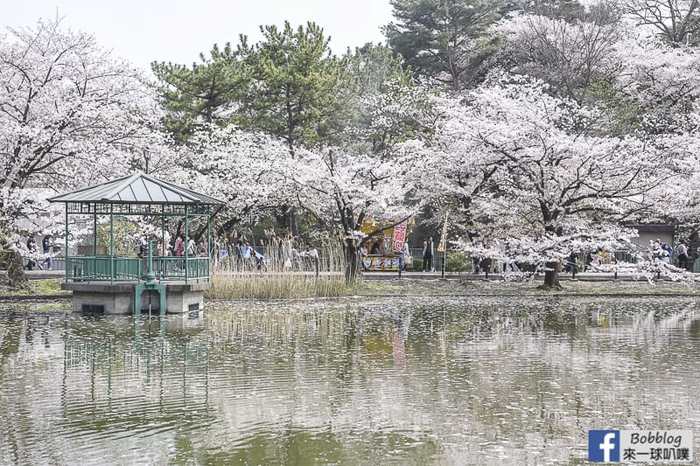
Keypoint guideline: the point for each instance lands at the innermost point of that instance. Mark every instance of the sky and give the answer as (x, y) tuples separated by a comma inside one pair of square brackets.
[(178, 30)]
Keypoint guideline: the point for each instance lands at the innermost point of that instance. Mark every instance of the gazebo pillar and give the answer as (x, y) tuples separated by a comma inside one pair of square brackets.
[(187, 245), (111, 242), (209, 255), (162, 230), (66, 262), (94, 232)]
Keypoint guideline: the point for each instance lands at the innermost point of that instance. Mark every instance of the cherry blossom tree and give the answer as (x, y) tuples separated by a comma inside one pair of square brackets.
[(659, 84), (674, 21), (553, 182), (70, 114), (447, 175), (245, 169), (341, 190), (572, 55)]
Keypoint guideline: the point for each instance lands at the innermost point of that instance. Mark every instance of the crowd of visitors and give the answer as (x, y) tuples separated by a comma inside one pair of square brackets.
[(680, 257), (48, 249), (286, 256), (272, 252), (248, 257)]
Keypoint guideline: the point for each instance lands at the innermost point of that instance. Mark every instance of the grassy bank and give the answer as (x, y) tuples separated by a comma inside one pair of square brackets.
[(256, 286), (414, 287), (44, 287), (264, 287)]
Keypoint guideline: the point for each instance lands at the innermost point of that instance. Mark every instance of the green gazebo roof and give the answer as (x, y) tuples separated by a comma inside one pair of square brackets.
[(137, 189)]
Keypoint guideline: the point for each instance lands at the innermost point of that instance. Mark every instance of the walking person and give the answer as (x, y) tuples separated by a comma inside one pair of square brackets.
[(668, 250), (143, 254), (179, 246), (682, 253), (363, 256), (428, 255), (46, 248), (191, 248), (571, 265), (143, 248), (407, 257), (246, 252), (486, 265), (31, 247), (259, 260), (180, 251)]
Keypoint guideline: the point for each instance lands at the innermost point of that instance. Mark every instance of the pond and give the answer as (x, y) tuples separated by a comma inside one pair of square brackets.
[(382, 381)]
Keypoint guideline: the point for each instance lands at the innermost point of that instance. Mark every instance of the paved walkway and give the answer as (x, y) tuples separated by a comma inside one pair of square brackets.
[(587, 276)]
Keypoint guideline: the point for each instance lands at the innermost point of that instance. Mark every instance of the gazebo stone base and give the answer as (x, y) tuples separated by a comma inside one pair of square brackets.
[(118, 298)]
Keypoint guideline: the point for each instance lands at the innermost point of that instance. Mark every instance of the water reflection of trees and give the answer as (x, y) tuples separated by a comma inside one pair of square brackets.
[(100, 377), (533, 367), (363, 381)]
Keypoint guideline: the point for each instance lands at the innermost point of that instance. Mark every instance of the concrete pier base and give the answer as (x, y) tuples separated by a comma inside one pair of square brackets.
[(118, 297)]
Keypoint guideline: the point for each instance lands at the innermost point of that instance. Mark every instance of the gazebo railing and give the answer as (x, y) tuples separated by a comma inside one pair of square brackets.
[(173, 268), (106, 268), (103, 268)]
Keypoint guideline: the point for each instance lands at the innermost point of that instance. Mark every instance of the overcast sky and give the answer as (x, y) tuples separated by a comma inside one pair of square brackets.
[(177, 30)]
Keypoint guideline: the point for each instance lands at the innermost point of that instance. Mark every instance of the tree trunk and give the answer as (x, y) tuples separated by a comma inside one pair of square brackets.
[(293, 226), (551, 276), (288, 220), (16, 278), (351, 259)]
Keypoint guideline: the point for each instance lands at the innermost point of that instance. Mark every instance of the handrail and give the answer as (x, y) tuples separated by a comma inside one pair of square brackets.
[(166, 268)]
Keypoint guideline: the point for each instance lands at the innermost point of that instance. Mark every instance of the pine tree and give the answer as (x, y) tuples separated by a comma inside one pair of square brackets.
[(203, 93), (443, 39)]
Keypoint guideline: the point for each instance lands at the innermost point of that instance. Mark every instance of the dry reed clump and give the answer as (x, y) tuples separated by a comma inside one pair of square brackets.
[(276, 286), (286, 273)]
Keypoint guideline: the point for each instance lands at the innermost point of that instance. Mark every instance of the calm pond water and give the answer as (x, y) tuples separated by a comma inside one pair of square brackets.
[(383, 381)]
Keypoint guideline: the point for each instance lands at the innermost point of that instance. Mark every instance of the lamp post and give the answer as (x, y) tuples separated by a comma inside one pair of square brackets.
[(442, 247), (150, 276)]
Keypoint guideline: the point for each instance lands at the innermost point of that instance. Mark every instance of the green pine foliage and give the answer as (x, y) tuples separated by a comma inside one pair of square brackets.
[(444, 40), (205, 92)]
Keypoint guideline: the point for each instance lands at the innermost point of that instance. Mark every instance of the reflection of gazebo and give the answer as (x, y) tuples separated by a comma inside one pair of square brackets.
[(145, 196)]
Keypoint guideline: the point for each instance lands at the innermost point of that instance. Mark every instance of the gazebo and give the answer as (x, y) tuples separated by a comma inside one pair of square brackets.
[(115, 283)]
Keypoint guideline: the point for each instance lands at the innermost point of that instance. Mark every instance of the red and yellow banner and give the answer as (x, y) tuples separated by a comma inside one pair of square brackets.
[(399, 237)]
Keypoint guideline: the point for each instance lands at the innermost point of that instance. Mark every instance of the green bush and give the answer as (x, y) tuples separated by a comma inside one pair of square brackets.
[(457, 262)]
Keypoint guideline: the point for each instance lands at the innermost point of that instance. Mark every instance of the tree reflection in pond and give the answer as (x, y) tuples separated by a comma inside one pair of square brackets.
[(456, 381)]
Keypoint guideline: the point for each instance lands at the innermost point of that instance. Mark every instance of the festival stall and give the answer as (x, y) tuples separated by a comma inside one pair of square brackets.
[(381, 253)]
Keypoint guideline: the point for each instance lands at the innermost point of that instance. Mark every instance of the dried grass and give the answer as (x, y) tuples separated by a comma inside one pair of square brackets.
[(285, 275)]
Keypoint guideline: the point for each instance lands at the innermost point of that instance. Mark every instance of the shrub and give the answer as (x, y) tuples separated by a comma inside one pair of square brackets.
[(457, 262)]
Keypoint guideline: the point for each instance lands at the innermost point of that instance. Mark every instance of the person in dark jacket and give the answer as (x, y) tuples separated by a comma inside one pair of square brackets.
[(31, 247), (46, 249), (428, 255)]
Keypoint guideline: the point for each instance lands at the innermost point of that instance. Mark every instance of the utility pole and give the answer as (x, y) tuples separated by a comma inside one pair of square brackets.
[(442, 247)]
